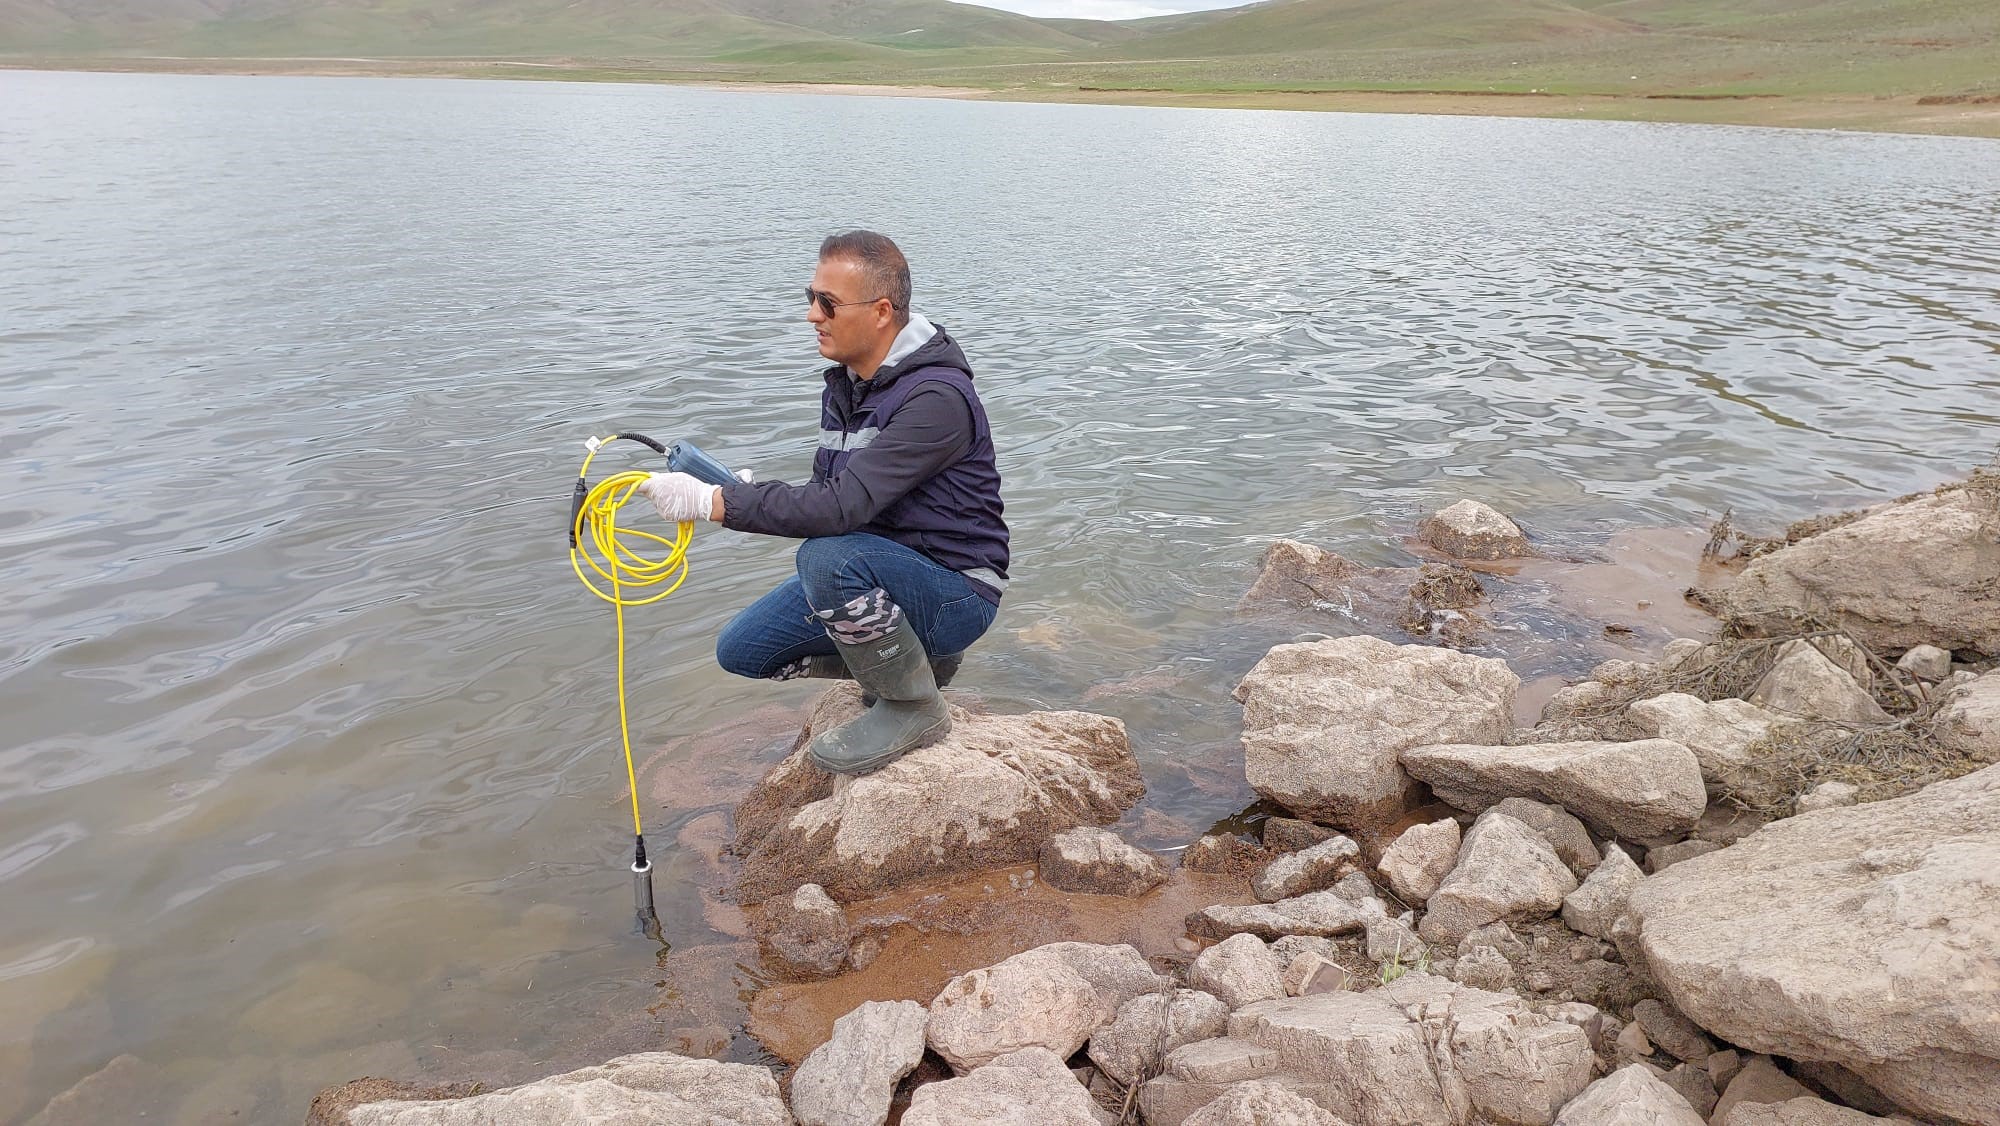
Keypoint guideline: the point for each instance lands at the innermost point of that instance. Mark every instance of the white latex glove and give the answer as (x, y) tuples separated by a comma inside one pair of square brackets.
[(679, 497)]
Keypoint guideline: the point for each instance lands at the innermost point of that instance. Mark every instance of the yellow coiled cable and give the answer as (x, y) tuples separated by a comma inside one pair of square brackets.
[(617, 558)]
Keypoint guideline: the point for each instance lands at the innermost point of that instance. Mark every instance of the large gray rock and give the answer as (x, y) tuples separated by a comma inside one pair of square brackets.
[(1324, 722), (1912, 573), (651, 1087), (1029, 1087), (1648, 791), (1630, 1096), (849, 1080), (1240, 969), (1314, 869), (1506, 872), (1867, 936), (990, 794), (1415, 1049), (1597, 903), (1807, 684), (1052, 997), (1261, 1102), (1419, 860), (1099, 862), (1153, 1024), (1320, 913), (1970, 723), (1471, 530), (1719, 732)]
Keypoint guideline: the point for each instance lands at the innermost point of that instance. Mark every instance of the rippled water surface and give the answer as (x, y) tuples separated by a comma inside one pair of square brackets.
[(307, 769)]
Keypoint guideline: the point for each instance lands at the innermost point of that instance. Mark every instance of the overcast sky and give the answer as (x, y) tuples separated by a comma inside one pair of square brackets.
[(1107, 9)]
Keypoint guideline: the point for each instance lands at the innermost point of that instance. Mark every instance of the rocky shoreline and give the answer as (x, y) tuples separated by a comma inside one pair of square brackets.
[(1753, 881)]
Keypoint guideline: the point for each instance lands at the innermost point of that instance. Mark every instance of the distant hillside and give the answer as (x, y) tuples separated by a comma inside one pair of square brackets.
[(591, 28), (1645, 48)]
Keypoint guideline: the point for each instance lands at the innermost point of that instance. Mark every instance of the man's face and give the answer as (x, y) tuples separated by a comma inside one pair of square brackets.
[(852, 332)]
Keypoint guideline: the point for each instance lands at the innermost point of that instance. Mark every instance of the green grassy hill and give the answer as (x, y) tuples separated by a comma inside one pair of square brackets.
[(1643, 48)]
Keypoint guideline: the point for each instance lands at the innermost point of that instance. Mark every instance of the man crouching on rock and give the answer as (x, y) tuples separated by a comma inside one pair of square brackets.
[(905, 552)]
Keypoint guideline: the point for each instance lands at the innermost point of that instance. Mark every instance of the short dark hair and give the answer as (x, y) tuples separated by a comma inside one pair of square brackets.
[(882, 263)]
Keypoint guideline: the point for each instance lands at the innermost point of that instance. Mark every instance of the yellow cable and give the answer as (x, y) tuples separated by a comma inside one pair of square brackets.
[(610, 552)]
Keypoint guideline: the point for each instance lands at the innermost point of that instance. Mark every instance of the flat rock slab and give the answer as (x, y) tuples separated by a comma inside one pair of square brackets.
[(1648, 790), (658, 1088), (1321, 913), (1325, 722), (1866, 936), (989, 795)]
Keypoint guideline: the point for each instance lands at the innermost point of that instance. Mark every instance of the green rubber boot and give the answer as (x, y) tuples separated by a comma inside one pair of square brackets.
[(908, 711), (829, 666)]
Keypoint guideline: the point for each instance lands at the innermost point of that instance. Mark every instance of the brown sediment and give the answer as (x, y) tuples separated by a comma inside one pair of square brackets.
[(930, 935), (1641, 586)]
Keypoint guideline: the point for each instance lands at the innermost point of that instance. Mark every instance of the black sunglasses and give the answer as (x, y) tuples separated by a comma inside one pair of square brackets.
[(827, 304)]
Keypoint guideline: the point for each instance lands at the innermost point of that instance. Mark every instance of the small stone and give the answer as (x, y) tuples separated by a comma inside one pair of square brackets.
[(1420, 859), (1289, 834), (1483, 967), (1505, 871), (1313, 973), (1676, 1034), (1500, 937), (1678, 650), (1630, 1096), (1098, 862), (1926, 662), (1221, 852), (806, 934), (849, 1080), (1393, 940), (1565, 834), (1151, 1025), (1540, 981), (1666, 856), (1692, 1083), (1594, 906), (1296, 873), (1759, 1081), (1633, 1044), (1723, 1066), (1471, 530), (998, 1092), (1356, 888), (1807, 683), (1828, 795), (1240, 969), (1292, 945)]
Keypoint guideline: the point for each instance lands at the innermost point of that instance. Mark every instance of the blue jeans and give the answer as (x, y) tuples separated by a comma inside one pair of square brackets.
[(779, 628)]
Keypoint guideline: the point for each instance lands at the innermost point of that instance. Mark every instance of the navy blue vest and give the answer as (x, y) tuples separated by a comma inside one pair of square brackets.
[(955, 516)]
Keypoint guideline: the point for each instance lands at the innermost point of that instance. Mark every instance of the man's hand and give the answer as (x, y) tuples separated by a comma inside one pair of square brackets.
[(680, 498)]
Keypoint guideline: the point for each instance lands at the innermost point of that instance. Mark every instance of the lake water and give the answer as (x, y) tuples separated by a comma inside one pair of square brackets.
[(308, 769)]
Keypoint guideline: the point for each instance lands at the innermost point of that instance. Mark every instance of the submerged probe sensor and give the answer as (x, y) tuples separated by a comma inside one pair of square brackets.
[(627, 563)]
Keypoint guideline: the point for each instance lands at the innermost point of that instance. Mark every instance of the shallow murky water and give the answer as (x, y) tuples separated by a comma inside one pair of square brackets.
[(308, 769)]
